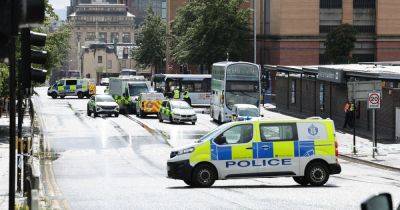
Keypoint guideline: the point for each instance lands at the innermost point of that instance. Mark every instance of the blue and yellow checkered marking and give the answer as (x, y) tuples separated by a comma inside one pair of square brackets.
[(263, 150)]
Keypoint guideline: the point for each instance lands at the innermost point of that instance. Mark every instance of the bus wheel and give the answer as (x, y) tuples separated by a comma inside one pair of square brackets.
[(54, 95), (80, 95), (301, 180), (204, 175), (317, 174)]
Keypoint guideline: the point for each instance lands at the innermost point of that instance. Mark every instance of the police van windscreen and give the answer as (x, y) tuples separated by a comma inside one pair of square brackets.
[(136, 89)]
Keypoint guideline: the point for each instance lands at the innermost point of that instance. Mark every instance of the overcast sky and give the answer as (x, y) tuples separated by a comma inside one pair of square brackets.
[(59, 4)]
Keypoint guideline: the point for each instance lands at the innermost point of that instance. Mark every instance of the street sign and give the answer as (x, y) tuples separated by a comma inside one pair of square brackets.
[(331, 75), (360, 90), (374, 100)]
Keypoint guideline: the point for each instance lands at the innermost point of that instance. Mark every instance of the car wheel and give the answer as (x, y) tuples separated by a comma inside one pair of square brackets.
[(96, 114), (88, 111), (219, 119), (116, 114), (317, 174), (171, 120), (204, 176), (188, 182), (160, 118), (193, 123), (80, 95), (301, 180), (54, 95)]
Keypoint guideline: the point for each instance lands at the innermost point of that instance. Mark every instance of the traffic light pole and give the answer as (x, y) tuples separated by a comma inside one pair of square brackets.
[(12, 83)]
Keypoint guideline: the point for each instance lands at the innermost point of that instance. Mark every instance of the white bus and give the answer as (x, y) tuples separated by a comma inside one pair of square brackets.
[(198, 85), (233, 83)]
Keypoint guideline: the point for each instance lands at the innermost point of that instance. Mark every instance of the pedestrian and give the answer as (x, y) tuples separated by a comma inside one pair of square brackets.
[(186, 97), (177, 94), (348, 114)]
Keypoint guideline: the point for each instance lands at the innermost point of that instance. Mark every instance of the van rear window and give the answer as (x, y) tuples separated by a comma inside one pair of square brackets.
[(278, 132)]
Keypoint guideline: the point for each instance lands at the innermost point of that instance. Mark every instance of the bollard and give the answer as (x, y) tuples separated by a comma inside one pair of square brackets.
[(34, 205)]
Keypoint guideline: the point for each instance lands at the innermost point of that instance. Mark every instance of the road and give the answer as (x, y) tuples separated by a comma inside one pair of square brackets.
[(120, 163)]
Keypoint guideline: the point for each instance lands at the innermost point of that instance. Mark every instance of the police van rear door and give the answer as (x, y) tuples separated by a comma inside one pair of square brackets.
[(278, 150)]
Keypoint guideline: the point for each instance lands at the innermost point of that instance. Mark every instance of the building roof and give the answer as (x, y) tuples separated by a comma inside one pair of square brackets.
[(382, 71)]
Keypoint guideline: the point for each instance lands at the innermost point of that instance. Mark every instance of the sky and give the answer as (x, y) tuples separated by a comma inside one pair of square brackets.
[(60, 7)]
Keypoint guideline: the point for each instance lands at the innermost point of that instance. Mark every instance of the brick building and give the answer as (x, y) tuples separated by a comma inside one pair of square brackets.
[(310, 91)]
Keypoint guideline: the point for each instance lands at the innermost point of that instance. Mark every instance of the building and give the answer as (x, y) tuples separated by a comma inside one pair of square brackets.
[(74, 3), (139, 8), (99, 24), (293, 32), (105, 60), (308, 91)]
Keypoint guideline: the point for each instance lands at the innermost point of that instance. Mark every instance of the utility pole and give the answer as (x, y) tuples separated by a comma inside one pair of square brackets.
[(12, 83), (255, 31)]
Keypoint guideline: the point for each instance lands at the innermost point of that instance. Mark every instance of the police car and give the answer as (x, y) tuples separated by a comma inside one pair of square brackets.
[(177, 111), (303, 149)]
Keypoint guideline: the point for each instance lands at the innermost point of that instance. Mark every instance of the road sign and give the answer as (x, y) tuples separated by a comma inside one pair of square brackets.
[(360, 90), (374, 100)]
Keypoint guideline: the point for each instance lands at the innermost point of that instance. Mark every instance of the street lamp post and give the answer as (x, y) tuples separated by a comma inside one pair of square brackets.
[(255, 31)]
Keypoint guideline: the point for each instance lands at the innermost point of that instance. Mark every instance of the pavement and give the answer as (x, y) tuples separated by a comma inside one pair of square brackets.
[(388, 153), (4, 160)]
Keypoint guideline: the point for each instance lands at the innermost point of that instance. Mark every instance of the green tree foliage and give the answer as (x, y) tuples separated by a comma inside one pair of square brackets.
[(204, 31), (339, 43), (3, 80), (151, 41)]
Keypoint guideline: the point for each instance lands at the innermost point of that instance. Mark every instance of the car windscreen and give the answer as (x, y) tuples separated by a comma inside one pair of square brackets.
[(104, 98), (249, 112), (180, 105)]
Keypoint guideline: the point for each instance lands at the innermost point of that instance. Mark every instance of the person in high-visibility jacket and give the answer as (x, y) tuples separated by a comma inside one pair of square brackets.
[(186, 97), (177, 94)]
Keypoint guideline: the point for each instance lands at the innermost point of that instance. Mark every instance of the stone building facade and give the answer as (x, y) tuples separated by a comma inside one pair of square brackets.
[(98, 24)]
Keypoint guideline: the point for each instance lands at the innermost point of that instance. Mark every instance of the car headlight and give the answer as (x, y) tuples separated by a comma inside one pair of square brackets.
[(185, 151), (175, 114), (116, 108)]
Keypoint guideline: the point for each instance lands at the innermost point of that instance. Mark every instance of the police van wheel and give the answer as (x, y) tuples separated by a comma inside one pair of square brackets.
[(317, 174), (62, 96), (160, 118), (301, 180), (54, 95), (203, 176), (80, 95)]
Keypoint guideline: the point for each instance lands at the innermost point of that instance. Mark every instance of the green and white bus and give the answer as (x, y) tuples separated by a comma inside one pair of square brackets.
[(233, 83)]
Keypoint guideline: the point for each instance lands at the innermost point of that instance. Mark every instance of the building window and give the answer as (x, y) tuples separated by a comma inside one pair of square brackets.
[(322, 96), (114, 37), (330, 4), (125, 53), (363, 57), (103, 37), (90, 36), (327, 28), (99, 59), (126, 37), (109, 64), (365, 29), (293, 91), (364, 4), (164, 9)]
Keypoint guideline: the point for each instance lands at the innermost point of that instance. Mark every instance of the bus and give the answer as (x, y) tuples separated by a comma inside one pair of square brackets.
[(233, 83), (128, 72), (198, 85)]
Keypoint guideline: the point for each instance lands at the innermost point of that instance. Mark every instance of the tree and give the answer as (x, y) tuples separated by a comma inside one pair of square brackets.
[(206, 31), (339, 43), (151, 41)]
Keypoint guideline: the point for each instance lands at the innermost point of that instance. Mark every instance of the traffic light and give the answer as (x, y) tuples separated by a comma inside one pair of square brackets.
[(31, 56)]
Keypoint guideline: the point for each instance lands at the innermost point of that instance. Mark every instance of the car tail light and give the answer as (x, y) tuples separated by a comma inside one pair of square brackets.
[(336, 149)]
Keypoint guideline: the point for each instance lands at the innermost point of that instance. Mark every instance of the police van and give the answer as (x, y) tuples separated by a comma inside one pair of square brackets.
[(303, 149), (72, 87)]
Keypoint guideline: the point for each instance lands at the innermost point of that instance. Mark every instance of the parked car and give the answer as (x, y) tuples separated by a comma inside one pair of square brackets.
[(104, 81), (241, 112), (177, 111), (102, 104)]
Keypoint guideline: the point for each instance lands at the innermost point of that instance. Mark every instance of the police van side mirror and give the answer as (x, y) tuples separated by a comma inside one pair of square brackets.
[(379, 202)]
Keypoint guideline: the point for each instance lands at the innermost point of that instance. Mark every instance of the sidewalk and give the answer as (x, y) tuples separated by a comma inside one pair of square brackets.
[(389, 154), (4, 161)]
